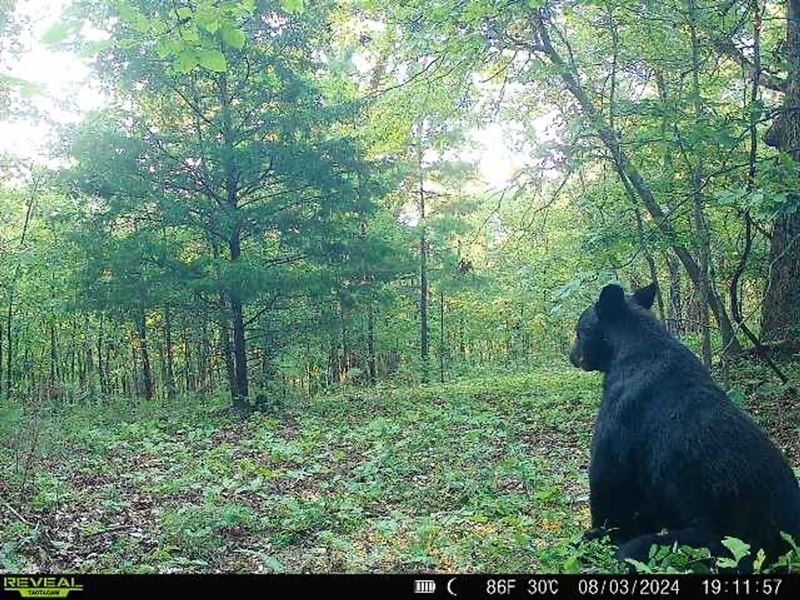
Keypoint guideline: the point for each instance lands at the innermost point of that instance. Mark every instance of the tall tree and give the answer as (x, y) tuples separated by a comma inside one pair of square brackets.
[(247, 158), (781, 310)]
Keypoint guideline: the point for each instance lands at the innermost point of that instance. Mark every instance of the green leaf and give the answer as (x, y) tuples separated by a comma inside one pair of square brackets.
[(184, 12), (294, 6), (737, 547), (213, 60), (790, 540), (171, 47), (639, 566), (191, 35), (208, 19), (737, 396), (185, 61), (759, 562), (232, 36), (135, 18), (572, 566)]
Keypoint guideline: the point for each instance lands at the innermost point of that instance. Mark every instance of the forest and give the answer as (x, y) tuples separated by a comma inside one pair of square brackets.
[(290, 286)]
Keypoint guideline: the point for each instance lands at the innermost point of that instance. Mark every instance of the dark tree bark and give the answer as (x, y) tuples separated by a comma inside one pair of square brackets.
[(736, 303), (240, 390), (239, 351), (206, 372), (227, 354), (225, 348), (188, 374), (781, 310), (144, 351), (169, 360), (780, 314)]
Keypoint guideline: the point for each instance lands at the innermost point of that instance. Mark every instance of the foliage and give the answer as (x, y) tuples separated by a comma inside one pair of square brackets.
[(485, 474), (270, 194)]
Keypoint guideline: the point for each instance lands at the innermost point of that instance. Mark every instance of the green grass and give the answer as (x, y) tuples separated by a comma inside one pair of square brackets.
[(485, 475)]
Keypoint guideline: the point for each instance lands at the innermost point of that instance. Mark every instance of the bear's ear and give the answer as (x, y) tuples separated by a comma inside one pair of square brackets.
[(611, 302), (645, 296)]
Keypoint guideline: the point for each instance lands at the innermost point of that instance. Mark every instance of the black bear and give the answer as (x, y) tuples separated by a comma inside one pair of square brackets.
[(672, 458)]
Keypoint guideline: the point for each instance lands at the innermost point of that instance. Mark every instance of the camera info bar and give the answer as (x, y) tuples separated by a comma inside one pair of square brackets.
[(420, 587)]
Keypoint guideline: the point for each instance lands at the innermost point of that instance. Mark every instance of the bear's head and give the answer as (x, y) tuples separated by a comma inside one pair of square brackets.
[(592, 350)]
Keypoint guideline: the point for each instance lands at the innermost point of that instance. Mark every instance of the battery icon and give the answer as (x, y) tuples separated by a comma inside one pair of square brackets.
[(424, 586)]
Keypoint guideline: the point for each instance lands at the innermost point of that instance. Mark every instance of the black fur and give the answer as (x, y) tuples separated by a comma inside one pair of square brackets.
[(673, 459)]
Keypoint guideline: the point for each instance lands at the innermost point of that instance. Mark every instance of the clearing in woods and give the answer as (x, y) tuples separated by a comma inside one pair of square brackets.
[(480, 475)]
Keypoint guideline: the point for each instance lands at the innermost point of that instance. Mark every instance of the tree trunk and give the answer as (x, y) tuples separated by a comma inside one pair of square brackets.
[(204, 367), (53, 357), (703, 284), (227, 354), (72, 352), (780, 314), (147, 374), (136, 386), (344, 359), (188, 375), (169, 360), (371, 342), (101, 368), (781, 309), (239, 351), (648, 255), (240, 391), (698, 216), (108, 368), (424, 337), (750, 107), (675, 306)]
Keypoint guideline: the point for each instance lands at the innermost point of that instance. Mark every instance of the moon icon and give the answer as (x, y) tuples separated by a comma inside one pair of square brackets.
[(450, 587)]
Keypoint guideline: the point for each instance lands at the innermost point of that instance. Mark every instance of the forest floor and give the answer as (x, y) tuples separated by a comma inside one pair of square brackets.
[(481, 475)]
